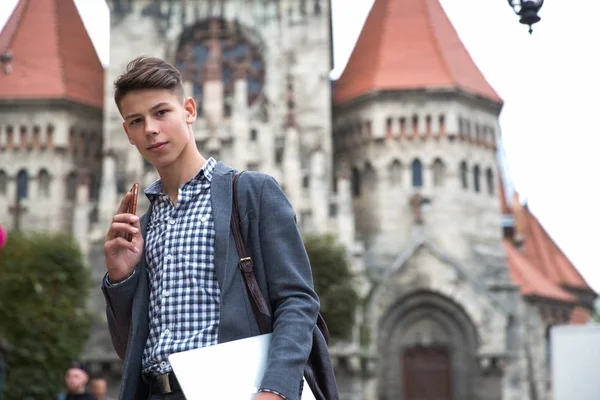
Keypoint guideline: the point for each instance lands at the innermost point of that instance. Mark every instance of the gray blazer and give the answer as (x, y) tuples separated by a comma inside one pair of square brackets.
[(282, 270)]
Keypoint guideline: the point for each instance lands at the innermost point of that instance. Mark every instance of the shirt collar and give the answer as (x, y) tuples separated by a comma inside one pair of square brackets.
[(206, 172)]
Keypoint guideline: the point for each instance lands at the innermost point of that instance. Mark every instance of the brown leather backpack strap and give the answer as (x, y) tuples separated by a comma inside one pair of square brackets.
[(246, 265)]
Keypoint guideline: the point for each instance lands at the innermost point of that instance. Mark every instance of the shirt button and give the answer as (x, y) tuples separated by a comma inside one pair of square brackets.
[(163, 364), (203, 219), (166, 293), (166, 332), (169, 257), (172, 221)]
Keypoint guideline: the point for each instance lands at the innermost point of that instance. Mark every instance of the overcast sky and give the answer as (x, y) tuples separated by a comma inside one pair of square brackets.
[(550, 84)]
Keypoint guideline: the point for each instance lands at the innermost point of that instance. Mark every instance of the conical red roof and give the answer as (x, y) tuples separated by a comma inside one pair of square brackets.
[(410, 44), (52, 55)]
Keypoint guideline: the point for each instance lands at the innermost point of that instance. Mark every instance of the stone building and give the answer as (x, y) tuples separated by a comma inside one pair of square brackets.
[(400, 159)]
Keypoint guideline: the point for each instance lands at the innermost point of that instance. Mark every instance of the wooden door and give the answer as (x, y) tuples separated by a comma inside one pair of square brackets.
[(427, 374)]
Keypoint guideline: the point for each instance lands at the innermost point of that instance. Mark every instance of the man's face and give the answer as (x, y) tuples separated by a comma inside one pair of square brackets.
[(76, 379), (157, 123), (98, 387)]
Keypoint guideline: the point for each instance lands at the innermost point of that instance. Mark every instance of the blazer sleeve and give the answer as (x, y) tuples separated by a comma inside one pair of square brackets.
[(119, 299), (293, 299)]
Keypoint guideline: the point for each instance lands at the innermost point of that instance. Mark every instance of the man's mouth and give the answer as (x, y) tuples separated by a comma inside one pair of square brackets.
[(157, 146)]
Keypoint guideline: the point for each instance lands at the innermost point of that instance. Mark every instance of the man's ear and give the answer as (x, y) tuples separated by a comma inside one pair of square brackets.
[(189, 106), (127, 132)]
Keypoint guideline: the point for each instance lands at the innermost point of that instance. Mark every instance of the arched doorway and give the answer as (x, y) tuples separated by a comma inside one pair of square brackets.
[(427, 348), (427, 373)]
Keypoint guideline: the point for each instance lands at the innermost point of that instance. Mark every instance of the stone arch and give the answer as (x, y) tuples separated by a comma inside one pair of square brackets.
[(43, 183), (22, 184), (10, 138), (476, 178), (427, 320), (489, 177), (395, 172), (369, 175), (464, 175), (71, 186), (439, 172), (417, 173), (218, 49)]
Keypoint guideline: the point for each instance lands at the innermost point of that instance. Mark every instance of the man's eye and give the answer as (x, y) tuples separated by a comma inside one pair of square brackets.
[(163, 112), (135, 121)]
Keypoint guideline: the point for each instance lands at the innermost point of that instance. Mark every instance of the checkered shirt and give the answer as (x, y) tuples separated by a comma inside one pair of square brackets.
[(184, 292)]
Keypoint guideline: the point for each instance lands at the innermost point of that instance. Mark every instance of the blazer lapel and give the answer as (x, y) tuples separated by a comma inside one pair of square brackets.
[(220, 199)]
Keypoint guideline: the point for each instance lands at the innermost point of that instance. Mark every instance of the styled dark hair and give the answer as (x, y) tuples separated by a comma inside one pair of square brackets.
[(148, 73)]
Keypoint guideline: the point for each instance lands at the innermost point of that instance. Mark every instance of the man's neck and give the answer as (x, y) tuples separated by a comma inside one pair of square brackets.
[(182, 170)]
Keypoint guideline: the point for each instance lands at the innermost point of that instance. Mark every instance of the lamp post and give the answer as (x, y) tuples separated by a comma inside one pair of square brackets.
[(527, 10)]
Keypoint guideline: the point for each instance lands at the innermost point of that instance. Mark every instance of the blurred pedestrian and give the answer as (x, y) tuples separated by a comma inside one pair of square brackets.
[(76, 380), (98, 389)]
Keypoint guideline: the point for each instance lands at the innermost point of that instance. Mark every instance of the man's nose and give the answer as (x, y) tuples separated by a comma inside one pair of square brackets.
[(151, 127)]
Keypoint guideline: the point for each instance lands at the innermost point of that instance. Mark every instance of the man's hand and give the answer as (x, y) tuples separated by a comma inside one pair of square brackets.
[(121, 255), (267, 396)]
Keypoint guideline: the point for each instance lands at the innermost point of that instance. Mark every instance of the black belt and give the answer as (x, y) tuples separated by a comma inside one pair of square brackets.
[(162, 384)]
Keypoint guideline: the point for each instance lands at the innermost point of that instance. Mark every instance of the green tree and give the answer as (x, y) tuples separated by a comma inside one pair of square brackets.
[(334, 284), (44, 286)]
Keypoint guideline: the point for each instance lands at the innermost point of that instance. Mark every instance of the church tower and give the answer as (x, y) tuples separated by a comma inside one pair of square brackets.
[(258, 71), (416, 127), (51, 95)]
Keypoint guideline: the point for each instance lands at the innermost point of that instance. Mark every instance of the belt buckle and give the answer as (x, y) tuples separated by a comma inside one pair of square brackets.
[(165, 383)]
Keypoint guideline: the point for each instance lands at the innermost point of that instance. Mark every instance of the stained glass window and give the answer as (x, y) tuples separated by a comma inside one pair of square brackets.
[(219, 49)]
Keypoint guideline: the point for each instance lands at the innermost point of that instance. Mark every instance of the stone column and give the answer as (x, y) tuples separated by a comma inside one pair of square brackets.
[(213, 85), (292, 174), (239, 119), (319, 199), (108, 189), (81, 220)]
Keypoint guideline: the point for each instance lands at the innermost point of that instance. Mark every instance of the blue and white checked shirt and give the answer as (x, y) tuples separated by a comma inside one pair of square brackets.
[(184, 292)]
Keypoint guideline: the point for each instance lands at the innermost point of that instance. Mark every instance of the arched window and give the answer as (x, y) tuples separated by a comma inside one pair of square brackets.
[(428, 124), (215, 48), (306, 182), (438, 173), (3, 183), (94, 187), (44, 183), (476, 178), (71, 186), (396, 172), (402, 126), (489, 177), (355, 182), (22, 185), (49, 144), (417, 174), (415, 124), (24, 139), (369, 176), (464, 175)]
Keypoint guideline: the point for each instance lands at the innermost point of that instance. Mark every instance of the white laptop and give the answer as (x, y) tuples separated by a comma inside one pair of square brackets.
[(227, 371)]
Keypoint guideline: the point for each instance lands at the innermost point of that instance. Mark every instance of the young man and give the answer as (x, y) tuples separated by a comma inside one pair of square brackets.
[(176, 286), (76, 380), (98, 389)]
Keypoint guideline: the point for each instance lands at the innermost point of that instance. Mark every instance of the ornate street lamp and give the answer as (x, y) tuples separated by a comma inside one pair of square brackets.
[(527, 10)]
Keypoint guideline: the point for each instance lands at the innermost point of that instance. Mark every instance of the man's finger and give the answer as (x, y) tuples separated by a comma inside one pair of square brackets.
[(118, 229), (119, 243), (124, 203)]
